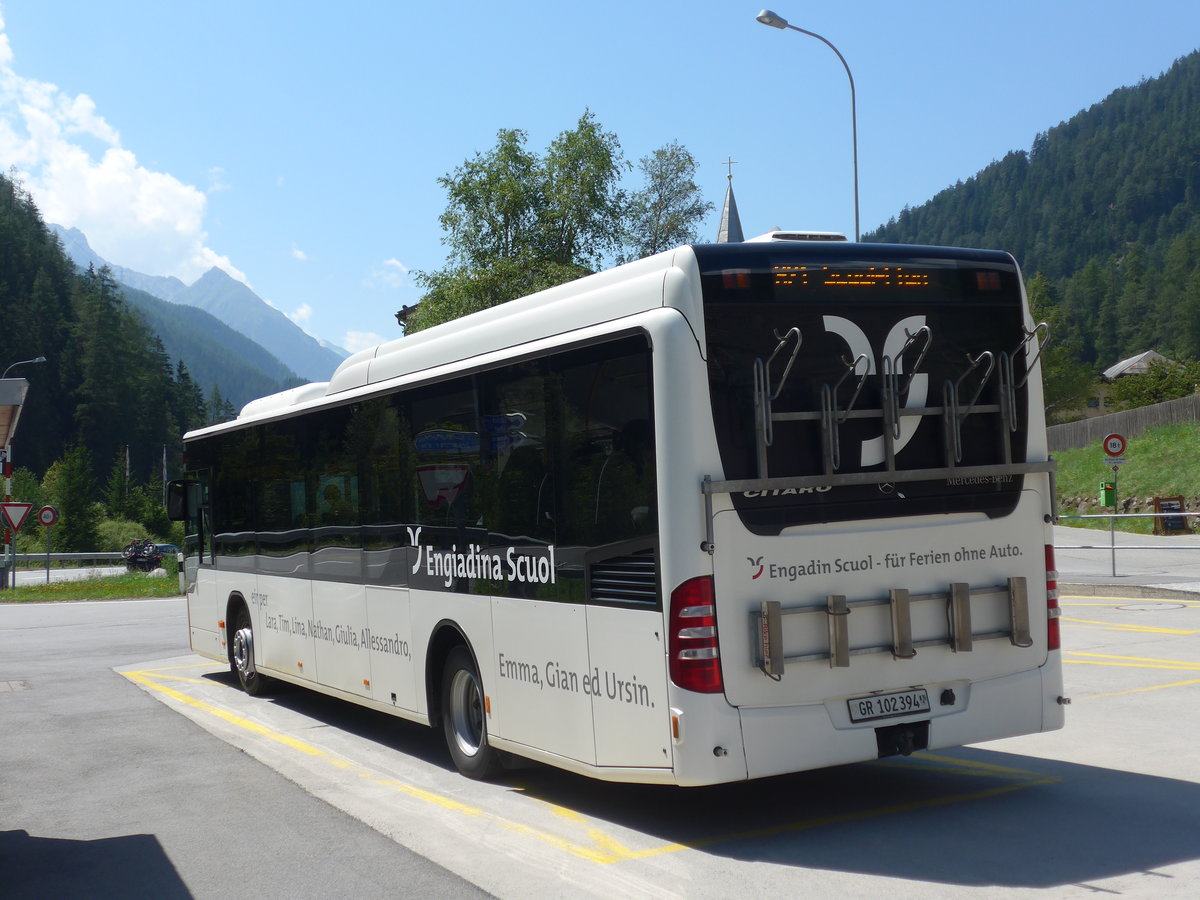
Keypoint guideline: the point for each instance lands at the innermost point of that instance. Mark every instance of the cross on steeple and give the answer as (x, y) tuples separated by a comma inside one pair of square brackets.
[(729, 231)]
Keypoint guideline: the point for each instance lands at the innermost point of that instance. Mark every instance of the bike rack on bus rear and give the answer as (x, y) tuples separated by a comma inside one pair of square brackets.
[(953, 413), (768, 624)]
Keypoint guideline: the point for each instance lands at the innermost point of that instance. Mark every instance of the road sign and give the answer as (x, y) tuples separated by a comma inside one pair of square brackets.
[(15, 513), (47, 515), (1114, 445)]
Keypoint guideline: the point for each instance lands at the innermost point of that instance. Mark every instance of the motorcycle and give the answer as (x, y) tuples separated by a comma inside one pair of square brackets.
[(142, 555)]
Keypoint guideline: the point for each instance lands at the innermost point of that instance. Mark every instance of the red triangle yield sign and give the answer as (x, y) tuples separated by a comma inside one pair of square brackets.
[(15, 513)]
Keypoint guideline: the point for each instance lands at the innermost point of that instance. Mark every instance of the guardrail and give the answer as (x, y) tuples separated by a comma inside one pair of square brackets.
[(1112, 533), (81, 558)]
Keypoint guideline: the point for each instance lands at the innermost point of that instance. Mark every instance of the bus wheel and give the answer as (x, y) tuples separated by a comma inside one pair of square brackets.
[(463, 718), (242, 656)]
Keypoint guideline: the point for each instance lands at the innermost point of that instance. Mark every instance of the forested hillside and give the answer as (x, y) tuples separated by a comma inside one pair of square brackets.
[(108, 382), (1106, 206), (216, 354)]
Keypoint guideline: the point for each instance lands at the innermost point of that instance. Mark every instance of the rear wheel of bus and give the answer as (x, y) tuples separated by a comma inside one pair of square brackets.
[(241, 655), (464, 718)]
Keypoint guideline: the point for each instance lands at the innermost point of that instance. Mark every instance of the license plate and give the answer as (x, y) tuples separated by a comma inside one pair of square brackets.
[(884, 706)]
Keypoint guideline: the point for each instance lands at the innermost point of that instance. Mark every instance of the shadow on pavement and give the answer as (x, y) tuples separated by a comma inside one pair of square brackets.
[(130, 866), (967, 816)]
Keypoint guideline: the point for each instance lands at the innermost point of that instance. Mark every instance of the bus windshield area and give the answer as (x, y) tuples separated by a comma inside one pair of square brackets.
[(826, 361)]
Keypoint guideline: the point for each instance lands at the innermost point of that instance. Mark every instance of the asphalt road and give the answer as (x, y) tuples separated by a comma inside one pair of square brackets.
[(1128, 561), (130, 767), (104, 792), (38, 576)]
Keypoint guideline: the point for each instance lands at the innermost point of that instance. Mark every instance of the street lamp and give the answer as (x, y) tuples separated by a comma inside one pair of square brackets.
[(777, 21), (36, 359)]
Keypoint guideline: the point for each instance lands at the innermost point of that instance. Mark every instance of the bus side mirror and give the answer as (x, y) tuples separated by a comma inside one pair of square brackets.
[(182, 497)]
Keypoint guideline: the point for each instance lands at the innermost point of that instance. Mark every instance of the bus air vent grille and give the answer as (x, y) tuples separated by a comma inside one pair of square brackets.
[(626, 579)]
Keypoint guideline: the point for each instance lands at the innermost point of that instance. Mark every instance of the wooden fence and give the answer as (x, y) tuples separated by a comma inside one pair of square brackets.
[(1130, 423)]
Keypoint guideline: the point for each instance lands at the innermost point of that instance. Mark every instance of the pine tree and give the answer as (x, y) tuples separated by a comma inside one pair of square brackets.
[(71, 488)]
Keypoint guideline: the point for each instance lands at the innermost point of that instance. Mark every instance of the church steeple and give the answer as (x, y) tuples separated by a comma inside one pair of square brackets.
[(730, 229)]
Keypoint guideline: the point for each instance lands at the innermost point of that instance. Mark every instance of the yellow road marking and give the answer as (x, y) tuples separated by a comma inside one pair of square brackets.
[(1119, 626), (1121, 601), (1134, 662), (1184, 664), (605, 849), (975, 767), (1144, 690)]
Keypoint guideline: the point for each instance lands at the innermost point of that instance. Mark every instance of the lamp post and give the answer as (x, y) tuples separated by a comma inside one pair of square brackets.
[(777, 21), (36, 359)]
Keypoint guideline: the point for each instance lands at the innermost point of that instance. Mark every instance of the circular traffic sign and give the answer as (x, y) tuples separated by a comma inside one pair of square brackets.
[(1114, 445), (47, 515)]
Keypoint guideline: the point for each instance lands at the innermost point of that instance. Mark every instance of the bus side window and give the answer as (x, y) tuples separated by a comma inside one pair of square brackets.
[(516, 486), (606, 416)]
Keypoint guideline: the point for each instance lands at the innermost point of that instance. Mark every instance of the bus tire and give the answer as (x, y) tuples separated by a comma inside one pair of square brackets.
[(241, 656), (464, 720)]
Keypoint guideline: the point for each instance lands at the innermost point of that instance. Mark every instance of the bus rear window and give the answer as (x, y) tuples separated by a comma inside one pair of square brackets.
[(836, 339)]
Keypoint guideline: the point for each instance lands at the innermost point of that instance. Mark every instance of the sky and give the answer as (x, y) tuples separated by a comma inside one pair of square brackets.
[(297, 144)]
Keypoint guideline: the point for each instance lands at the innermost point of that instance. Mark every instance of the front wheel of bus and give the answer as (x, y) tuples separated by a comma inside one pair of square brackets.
[(241, 657), (464, 718)]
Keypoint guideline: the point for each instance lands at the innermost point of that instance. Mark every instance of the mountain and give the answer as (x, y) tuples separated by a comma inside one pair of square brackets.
[(76, 244), (229, 301), (235, 304), (1106, 208), (214, 353)]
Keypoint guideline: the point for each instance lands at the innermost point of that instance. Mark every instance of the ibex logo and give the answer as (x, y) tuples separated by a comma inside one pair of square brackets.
[(756, 562), (918, 389), (414, 536)]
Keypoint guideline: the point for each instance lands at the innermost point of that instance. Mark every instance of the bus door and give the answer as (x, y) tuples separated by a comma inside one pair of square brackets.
[(188, 501)]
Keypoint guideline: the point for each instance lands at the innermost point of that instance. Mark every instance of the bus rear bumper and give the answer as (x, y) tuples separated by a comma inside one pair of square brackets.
[(780, 740)]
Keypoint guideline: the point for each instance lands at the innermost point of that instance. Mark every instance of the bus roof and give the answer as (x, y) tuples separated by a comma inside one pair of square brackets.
[(668, 279)]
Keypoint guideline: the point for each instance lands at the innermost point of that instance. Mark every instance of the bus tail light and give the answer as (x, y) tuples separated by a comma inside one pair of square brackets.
[(692, 638), (1053, 636)]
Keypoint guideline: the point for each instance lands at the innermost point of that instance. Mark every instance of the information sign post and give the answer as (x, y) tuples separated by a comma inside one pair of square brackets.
[(48, 516), (1114, 452)]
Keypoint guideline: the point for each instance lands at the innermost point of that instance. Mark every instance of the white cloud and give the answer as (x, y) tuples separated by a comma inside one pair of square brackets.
[(299, 254), (362, 340), (216, 181), (391, 273), (72, 162), (301, 315)]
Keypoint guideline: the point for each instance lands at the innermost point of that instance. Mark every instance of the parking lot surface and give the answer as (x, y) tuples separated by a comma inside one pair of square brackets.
[(1110, 804)]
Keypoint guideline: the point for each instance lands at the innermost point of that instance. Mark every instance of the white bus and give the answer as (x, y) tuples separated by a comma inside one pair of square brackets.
[(727, 512)]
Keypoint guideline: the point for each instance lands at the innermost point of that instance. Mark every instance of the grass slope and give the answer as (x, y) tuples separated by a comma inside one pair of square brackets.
[(131, 586), (1164, 462)]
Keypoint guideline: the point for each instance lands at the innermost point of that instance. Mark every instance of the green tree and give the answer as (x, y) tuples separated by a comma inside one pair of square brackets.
[(581, 218), (1067, 383), (493, 203), (1163, 380), (118, 503), (664, 213), (149, 507), (189, 406), (71, 488), (26, 488), (101, 363), (219, 409), (516, 222)]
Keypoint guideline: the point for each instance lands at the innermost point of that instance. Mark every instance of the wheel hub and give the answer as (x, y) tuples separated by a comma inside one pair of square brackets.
[(243, 651)]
